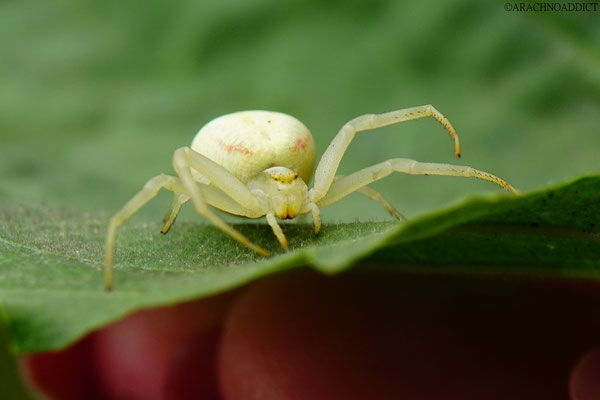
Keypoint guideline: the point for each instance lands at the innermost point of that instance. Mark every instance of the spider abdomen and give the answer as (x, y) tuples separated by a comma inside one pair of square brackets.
[(248, 142)]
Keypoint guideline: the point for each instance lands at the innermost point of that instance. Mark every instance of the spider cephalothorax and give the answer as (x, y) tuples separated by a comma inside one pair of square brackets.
[(258, 163)]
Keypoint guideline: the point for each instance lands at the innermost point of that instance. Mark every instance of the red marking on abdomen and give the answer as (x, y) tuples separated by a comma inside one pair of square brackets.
[(234, 147), (301, 144)]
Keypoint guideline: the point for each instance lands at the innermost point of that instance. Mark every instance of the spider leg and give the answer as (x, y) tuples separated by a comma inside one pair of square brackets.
[(183, 160), (179, 200), (218, 176), (316, 214), (378, 197), (363, 177), (277, 230), (213, 196), (330, 160), (150, 190)]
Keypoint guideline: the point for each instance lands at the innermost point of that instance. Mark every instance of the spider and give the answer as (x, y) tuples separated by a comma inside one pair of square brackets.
[(257, 163)]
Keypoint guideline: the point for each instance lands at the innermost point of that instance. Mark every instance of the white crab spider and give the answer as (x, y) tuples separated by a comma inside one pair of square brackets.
[(257, 163)]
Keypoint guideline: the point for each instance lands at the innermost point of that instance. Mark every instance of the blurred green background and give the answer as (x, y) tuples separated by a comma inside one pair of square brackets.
[(96, 96)]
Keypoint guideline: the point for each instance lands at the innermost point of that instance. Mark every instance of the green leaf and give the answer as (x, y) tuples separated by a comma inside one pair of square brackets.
[(51, 273), (11, 386)]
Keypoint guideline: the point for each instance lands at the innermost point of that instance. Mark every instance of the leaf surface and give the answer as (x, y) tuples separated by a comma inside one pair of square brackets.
[(51, 258)]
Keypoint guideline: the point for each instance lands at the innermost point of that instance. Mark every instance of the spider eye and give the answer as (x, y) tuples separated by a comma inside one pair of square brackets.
[(285, 178)]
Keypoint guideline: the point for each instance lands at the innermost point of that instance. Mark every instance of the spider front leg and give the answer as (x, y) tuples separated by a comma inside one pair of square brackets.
[(330, 160), (213, 196), (150, 190), (184, 160), (353, 182)]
